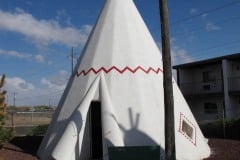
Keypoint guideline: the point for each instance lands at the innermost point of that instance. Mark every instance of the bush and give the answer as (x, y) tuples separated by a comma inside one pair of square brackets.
[(5, 135), (216, 130), (38, 130)]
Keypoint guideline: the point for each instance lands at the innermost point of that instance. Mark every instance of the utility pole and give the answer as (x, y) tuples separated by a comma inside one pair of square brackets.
[(14, 105), (49, 103), (72, 59), (14, 98), (170, 153)]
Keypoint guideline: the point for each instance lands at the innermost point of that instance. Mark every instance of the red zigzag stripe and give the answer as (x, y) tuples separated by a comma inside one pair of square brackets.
[(121, 71)]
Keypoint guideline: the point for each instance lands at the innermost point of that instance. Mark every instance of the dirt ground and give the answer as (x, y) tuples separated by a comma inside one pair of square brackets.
[(21, 148), (224, 149), (25, 148), (27, 121)]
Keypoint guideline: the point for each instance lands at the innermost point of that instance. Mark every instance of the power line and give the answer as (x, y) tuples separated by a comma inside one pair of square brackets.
[(217, 23), (207, 11), (72, 56), (42, 95), (47, 70), (197, 53), (215, 46), (200, 14), (223, 48)]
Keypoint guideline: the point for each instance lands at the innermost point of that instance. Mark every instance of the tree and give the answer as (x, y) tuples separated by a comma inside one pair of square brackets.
[(3, 105), (5, 135)]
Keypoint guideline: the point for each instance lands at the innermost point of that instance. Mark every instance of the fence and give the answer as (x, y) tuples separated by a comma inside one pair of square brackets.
[(24, 122)]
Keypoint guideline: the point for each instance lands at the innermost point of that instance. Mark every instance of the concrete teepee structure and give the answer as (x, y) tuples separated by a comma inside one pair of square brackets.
[(115, 97)]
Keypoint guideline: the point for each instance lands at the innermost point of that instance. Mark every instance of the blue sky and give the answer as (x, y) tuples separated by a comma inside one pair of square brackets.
[(36, 38)]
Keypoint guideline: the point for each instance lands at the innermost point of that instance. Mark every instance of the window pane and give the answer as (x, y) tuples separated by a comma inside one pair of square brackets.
[(205, 76), (187, 129), (210, 108)]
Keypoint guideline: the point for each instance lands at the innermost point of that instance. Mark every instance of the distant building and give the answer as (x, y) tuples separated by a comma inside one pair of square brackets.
[(211, 87)]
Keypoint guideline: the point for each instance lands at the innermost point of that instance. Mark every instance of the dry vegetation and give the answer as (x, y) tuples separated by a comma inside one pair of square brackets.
[(23, 120)]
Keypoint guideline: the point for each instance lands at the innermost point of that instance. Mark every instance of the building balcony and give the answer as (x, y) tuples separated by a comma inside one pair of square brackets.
[(202, 88), (234, 85)]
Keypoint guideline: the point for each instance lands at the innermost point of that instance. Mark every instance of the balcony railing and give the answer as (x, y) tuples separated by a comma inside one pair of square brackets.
[(234, 84), (196, 88)]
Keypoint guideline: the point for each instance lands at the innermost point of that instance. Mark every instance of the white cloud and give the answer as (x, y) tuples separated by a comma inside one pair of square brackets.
[(19, 10), (193, 11), (29, 94), (49, 63), (43, 31), (47, 82), (86, 28), (39, 58), (204, 15), (29, 3), (17, 84), (178, 54), (62, 16), (15, 54), (57, 81), (212, 27)]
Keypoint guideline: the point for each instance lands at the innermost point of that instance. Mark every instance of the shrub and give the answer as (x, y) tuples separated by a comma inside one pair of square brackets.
[(38, 130), (5, 135), (216, 130)]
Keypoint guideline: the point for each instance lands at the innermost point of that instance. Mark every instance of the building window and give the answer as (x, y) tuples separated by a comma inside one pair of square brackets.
[(238, 68), (205, 76), (206, 87), (208, 76), (187, 129), (210, 108)]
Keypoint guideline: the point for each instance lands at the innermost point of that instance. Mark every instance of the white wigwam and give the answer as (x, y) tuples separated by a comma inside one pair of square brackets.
[(121, 67)]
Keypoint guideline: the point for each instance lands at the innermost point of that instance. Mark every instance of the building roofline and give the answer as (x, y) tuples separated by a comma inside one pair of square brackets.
[(207, 61)]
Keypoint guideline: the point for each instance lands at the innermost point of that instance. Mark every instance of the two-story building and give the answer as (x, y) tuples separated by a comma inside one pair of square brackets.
[(211, 87)]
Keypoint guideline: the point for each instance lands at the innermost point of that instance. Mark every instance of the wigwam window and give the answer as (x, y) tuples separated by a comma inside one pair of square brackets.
[(187, 129)]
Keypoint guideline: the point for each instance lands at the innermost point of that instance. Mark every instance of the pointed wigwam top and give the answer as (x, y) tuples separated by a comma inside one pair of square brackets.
[(120, 67), (120, 39)]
